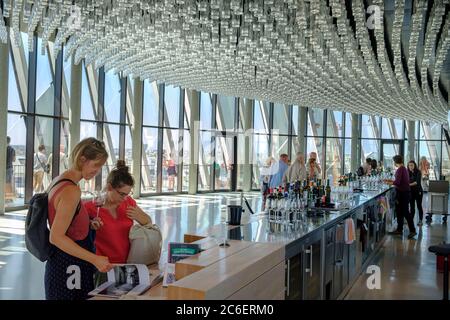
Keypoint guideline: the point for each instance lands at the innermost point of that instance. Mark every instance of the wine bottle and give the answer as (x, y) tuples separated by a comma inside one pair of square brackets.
[(328, 192)]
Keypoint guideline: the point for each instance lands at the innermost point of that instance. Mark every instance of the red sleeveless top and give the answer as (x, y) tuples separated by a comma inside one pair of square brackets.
[(79, 228), (112, 239)]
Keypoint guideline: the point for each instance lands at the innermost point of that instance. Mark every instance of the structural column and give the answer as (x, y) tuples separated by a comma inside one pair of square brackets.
[(136, 134), (75, 105), (355, 146), (194, 121), (411, 141), (248, 143), (302, 114), (4, 65)]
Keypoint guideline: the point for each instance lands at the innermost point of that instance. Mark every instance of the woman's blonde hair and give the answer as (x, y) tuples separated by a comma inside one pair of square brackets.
[(90, 149)]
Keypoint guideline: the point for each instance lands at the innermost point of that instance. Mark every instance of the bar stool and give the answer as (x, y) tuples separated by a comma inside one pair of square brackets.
[(443, 250)]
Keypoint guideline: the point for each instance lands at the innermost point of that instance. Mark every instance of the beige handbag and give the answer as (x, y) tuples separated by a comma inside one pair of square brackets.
[(145, 244)]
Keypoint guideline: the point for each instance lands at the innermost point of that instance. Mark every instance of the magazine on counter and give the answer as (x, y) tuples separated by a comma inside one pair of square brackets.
[(179, 251), (124, 279)]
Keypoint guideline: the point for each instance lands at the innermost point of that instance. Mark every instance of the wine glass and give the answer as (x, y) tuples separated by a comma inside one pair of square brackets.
[(99, 199)]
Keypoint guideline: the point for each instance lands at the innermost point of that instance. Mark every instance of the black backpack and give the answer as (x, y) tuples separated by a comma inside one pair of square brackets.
[(37, 234)]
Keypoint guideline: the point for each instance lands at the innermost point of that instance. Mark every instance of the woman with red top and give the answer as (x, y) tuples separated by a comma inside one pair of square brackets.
[(116, 216), (69, 271)]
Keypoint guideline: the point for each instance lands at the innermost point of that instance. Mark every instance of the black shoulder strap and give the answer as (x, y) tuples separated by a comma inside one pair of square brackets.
[(58, 182)]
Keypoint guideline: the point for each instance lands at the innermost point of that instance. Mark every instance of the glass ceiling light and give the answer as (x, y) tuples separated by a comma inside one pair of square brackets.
[(285, 51)]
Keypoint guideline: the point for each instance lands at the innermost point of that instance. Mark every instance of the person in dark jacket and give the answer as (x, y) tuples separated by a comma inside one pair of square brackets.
[(415, 182), (403, 195)]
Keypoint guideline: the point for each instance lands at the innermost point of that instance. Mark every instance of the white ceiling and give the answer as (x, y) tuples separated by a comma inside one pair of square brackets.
[(337, 54)]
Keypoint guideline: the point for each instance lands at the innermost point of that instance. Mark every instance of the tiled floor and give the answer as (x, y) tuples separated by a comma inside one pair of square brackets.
[(408, 270), (22, 275)]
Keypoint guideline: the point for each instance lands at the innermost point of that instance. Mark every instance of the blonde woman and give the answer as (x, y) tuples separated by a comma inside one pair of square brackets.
[(314, 170), (69, 227), (424, 167)]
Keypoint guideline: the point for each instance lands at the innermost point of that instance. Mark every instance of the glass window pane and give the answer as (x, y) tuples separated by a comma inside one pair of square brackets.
[(149, 159), (223, 164), (315, 122), (243, 113), (171, 149), (347, 155), (24, 44), (225, 113), (205, 160), (370, 126), (333, 159), (151, 103), (63, 147), (370, 149), (88, 96), (335, 123), (186, 159), (348, 124), (45, 91), (280, 119), (111, 138), (279, 146), (87, 129), (432, 151), (430, 131), (128, 148), (241, 139), (416, 129), (261, 117), (112, 97), (446, 160), (14, 101), (15, 166), (392, 129), (295, 147), (260, 156), (206, 110), (43, 145), (172, 107)]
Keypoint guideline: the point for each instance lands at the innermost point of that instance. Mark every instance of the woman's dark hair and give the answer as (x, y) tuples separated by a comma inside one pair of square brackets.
[(41, 147), (120, 176), (369, 161), (398, 159), (373, 164), (415, 165)]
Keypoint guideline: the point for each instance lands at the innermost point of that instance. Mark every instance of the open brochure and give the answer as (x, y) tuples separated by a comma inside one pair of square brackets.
[(126, 279)]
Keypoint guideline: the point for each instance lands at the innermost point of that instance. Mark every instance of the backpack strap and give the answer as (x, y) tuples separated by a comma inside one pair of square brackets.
[(58, 182)]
